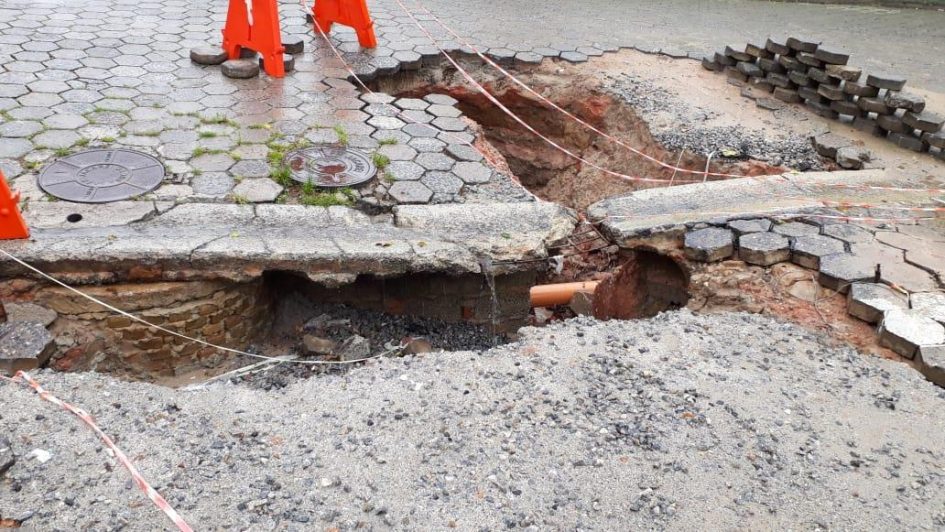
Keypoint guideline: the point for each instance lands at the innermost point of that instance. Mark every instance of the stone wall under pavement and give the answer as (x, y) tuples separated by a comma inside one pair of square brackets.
[(85, 336), (804, 71)]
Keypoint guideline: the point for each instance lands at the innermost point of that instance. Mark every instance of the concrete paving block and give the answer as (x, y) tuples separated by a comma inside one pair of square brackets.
[(240, 68), (807, 251), (838, 272), (849, 233), (907, 276), (905, 331), (757, 225), (852, 157), (844, 72), (905, 140), (831, 57), (709, 245), (208, 55), (802, 44), (796, 229), (929, 304), (935, 139), (873, 105), (868, 301), (827, 144), (258, 190), (886, 81), (410, 192), (764, 249), (925, 121), (905, 100)]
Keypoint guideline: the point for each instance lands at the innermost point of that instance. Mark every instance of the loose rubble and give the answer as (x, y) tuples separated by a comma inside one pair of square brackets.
[(580, 425)]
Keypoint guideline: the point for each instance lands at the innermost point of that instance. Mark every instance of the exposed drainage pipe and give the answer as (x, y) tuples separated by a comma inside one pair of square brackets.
[(549, 295)]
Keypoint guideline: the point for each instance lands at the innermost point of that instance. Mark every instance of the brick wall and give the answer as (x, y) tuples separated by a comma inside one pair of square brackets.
[(87, 337)]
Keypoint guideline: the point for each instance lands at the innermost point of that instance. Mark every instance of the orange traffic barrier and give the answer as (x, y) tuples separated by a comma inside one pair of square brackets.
[(254, 24), (549, 295), (12, 226), (353, 13)]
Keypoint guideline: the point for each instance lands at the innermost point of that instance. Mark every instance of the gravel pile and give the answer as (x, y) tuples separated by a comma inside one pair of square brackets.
[(654, 424), (650, 100)]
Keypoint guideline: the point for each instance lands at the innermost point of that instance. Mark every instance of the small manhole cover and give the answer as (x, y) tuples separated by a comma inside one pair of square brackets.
[(101, 176), (330, 166)]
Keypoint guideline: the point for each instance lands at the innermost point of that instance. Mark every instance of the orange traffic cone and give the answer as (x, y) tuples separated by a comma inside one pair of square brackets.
[(254, 24), (12, 226), (353, 13)]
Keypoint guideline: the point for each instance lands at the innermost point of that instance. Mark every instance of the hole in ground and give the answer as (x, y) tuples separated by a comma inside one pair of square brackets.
[(279, 314), (74, 218), (543, 169)]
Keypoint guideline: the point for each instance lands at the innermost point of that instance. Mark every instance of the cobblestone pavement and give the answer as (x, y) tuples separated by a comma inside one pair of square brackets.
[(114, 73), (911, 42)]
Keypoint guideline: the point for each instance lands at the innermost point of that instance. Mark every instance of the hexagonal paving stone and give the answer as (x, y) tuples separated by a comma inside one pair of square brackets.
[(473, 173), (19, 129), (442, 182), (444, 110), (451, 124), (795, 229), (421, 130), (906, 276), (426, 145), (213, 162), (410, 192), (215, 184), (808, 250), (764, 249), (250, 168), (929, 304), (463, 152), (440, 99), (848, 233), (386, 122), (435, 161), (259, 190), (65, 121), (412, 104), (905, 331), (742, 227), (868, 301), (404, 171), (398, 152), (56, 139), (709, 245), (838, 272)]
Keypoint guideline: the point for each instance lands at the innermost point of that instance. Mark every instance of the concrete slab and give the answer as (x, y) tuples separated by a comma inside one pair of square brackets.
[(929, 304), (242, 241), (658, 210)]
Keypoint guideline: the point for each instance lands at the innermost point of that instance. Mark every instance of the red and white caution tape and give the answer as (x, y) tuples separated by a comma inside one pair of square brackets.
[(139, 480)]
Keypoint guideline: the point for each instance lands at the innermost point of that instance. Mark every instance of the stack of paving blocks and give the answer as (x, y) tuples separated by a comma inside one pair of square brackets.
[(801, 71)]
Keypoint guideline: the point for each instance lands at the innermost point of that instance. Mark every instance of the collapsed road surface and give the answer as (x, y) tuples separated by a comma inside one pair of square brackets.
[(662, 423)]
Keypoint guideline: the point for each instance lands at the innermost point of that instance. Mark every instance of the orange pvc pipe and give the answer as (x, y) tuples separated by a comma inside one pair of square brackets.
[(549, 295)]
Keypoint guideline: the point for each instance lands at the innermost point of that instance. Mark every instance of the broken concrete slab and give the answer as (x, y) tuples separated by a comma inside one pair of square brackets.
[(868, 301), (929, 304), (764, 249), (709, 245), (849, 233), (827, 144), (807, 251), (24, 346), (905, 331), (671, 209), (239, 242), (62, 214)]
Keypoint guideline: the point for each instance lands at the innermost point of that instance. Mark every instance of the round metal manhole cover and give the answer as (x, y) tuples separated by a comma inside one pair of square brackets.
[(330, 166), (101, 176)]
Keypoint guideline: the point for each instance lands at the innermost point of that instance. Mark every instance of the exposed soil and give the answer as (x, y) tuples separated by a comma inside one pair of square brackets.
[(542, 168)]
